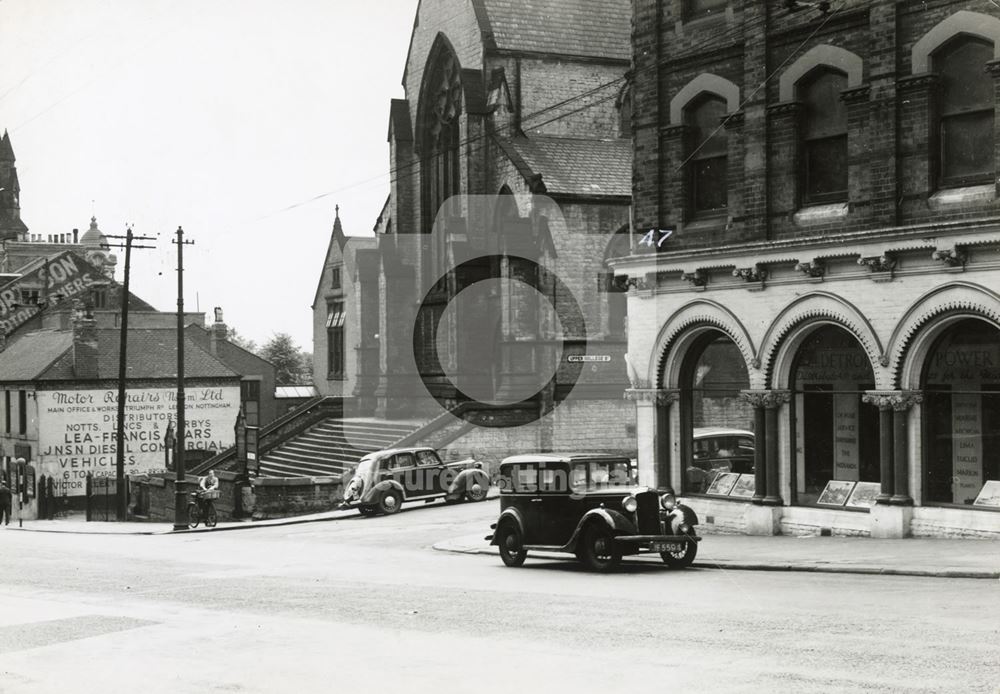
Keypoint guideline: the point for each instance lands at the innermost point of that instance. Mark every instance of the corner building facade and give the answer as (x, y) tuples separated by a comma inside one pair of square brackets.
[(824, 267)]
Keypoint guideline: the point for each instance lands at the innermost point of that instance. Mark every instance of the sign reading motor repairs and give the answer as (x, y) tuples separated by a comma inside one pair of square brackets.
[(77, 429)]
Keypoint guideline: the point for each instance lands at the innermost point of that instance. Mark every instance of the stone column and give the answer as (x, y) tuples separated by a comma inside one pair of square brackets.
[(900, 449), (653, 433), (883, 401), (756, 399), (776, 399)]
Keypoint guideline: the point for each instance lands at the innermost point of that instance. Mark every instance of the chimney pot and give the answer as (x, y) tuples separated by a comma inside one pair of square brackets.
[(84, 345), (76, 232)]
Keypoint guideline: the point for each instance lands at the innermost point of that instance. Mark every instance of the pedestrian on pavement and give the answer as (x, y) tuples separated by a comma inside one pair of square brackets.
[(5, 501)]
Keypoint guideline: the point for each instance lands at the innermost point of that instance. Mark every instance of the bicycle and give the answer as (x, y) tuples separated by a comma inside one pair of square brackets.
[(202, 508)]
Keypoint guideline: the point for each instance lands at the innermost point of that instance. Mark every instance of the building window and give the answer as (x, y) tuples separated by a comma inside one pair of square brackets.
[(697, 9), (335, 340), (965, 123), (335, 278), (100, 297), (836, 436), (961, 413), (29, 297), (625, 114), (707, 165), (22, 412), (441, 106), (824, 137), (6, 411), (717, 424), (250, 399)]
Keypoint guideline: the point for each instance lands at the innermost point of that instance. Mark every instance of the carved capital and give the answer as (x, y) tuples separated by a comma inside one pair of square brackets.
[(898, 400), (952, 257), (656, 396), (757, 273), (813, 268), (926, 80), (856, 95), (734, 120), (698, 278), (767, 399), (879, 263), (785, 108)]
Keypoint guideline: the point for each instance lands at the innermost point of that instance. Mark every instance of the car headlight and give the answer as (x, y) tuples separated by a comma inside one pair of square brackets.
[(668, 501), (630, 504)]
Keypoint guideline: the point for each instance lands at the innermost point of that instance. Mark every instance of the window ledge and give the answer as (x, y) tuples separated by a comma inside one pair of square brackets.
[(706, 222), (819, 214), (962, 196)]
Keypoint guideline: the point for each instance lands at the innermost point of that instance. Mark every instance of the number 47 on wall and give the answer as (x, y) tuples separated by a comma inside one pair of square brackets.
[(655, 237)]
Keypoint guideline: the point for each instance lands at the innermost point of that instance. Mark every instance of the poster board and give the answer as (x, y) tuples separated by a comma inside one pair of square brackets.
[(836, 493), (745, 487), (864, 495), (989, 495), (723, 483)]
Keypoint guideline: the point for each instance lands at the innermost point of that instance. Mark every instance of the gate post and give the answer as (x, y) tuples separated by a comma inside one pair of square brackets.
[(86, 494)]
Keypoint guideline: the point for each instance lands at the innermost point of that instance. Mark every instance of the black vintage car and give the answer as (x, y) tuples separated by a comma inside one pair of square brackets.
[(385, 479), (590, 505)]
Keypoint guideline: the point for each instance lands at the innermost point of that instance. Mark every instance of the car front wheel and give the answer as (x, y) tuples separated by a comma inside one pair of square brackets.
[(599, 551), (511, 545), (682, 559), (389, 502)]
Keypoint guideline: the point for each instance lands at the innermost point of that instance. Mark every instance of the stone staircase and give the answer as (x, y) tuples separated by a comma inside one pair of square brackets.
[(333, 446)]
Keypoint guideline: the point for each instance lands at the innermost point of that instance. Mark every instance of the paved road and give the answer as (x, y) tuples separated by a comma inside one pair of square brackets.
[(366, 603)]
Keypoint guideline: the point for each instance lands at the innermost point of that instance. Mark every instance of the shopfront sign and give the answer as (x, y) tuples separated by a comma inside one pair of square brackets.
[(77, 429), (966, 447)]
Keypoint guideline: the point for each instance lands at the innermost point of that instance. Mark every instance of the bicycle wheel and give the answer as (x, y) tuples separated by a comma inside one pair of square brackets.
[(193, 515), (211, 518)]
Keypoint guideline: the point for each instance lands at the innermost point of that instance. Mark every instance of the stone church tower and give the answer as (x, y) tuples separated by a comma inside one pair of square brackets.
[(11, 226)]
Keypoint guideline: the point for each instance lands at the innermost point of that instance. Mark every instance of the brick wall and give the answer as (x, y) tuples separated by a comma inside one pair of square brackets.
[(891, 148), (295, 496)]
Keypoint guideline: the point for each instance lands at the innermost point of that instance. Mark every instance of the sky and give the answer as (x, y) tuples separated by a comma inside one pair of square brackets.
[(243, 121)]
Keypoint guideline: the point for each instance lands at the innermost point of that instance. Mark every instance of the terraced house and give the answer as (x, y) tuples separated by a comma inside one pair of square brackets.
[(824, 274)]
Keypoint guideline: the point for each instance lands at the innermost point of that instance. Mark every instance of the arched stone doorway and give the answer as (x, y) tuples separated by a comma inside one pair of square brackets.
[(834, 426), (960, 385)]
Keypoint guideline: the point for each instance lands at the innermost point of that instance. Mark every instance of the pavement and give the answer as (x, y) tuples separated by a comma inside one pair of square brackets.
[(939, 557)]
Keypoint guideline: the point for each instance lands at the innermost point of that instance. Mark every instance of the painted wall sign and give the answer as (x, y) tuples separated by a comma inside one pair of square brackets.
[(77, 429), (65, 275), (845, 436), (966, 447)]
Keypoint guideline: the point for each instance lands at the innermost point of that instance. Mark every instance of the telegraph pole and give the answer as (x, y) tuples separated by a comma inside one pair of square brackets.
[(180, 498), (121, 499)]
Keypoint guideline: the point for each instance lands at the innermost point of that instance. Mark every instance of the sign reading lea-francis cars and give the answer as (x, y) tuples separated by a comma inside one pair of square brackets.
[(77, 429)]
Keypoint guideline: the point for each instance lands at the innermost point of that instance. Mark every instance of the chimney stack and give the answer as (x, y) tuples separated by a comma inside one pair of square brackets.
[(84, 345), (219, 332)]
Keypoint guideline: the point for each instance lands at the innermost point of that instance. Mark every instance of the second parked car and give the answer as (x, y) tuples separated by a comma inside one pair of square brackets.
[(385, 479)]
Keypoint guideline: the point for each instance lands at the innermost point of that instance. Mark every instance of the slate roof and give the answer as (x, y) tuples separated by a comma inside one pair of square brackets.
[(575, 167), (151, 353), (593, 28), (26, 357)]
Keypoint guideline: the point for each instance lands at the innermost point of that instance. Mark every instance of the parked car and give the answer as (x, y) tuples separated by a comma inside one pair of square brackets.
[(385, 479), (715, 450), (590, 505)]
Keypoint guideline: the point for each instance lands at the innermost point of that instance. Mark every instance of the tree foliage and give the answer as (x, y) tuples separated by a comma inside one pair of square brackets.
[(286, 356), (240, 341)]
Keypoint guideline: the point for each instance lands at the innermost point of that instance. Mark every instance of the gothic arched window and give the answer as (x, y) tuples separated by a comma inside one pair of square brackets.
[(442, 105)]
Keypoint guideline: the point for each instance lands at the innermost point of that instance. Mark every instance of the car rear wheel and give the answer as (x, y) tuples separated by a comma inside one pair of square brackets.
[(599, 551), (682, 559), (389, 502), (511, 545)]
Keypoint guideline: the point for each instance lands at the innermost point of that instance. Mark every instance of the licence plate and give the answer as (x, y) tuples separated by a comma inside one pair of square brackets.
[(668, 546)]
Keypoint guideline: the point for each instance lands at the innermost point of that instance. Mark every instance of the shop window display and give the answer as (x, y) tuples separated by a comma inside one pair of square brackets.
[(717, 423), (961, 416), (836, 434)]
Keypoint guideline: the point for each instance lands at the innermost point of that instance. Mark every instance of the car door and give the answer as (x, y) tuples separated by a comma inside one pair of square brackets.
[(559, 512), (404, 471), (528, 501), (432, 472)]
